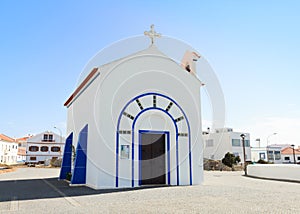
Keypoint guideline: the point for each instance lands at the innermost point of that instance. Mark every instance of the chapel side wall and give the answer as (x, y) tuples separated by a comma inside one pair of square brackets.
[(80, 113)]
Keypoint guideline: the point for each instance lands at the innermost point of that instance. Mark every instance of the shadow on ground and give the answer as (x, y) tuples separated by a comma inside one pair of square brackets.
[(50, 188)]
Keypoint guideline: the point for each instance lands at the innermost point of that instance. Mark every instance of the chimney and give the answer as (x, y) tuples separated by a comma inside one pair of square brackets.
[(189, 61)]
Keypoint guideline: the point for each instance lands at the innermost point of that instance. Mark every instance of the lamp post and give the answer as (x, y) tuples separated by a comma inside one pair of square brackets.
[(268, 145), (244, 152), (294, 153), (60, 132)]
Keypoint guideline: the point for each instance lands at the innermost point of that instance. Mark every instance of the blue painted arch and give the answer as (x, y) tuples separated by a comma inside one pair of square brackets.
[(132, 132)]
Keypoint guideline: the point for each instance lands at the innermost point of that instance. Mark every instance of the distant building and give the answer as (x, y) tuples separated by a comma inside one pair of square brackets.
[(288, 155), (8, 150), (21, 156), (260, 153), (22, 141), (44, 146), (22, 145), (271, 153), (218, 143)]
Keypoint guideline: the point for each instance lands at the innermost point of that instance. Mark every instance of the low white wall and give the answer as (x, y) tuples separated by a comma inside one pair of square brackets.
[(289, 172)]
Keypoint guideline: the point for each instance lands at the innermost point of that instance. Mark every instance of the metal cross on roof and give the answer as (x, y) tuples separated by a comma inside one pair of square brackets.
[(152, 34)]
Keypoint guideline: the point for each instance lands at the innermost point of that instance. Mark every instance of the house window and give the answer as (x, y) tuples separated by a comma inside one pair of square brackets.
[(44, 149), (247, 143), (48, 138), (287, 158), (271, 155), (33, 148), (298, 158), (209, 143), (277, 155), (32, 158), (262, 155), (55, 149), (236, 142)]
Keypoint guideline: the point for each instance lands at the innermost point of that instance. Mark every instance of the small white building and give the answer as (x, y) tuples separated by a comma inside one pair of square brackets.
[(8, 150), (221, 141), (44, 146), (136, 121), (260, 153)]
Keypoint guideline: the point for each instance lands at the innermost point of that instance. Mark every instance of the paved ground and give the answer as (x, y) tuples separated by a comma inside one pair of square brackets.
[(33, 190)]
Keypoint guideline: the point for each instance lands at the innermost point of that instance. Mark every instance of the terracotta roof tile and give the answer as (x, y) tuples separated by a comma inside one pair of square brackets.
[(6, 138), (289, 151)]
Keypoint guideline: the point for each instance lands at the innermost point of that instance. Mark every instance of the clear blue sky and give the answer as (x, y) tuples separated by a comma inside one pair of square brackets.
[(252, 45)]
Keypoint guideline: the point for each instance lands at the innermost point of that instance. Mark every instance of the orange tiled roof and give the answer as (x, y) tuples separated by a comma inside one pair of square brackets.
[(22, 139), (289, 151), (6, 138)]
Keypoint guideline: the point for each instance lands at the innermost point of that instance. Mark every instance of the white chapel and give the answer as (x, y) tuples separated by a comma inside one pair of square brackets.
[(136, 121)]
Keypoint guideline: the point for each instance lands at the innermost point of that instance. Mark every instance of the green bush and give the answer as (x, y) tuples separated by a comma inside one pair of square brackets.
[(262, 161), (68, 176), (230, 159)]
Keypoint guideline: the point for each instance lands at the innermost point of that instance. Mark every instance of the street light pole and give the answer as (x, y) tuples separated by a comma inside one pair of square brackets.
[(294, 153), (60, 132), (268, 145), (244, 152)]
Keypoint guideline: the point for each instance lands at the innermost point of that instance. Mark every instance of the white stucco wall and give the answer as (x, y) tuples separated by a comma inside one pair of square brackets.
[(8, 152), (275, 171)]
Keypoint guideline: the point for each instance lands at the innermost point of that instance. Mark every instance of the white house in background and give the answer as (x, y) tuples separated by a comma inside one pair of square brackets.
[(218, 143), (44, 146), (8, 150), (274, 156), (288, 155), (259, 153), (136, 121), (273, 151)]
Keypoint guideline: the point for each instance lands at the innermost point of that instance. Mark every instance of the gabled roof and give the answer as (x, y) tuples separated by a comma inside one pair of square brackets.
[(6, 138), (81, 86), (289, 151), (152, 50)]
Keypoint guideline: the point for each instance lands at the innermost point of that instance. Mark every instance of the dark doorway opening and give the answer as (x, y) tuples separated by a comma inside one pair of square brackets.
[(152, 158)]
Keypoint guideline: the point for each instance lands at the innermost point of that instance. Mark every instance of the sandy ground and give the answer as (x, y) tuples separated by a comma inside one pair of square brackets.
[(221, 192)]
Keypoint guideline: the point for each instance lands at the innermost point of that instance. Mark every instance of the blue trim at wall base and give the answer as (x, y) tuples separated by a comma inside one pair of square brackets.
[(67, 158), (79, 172)]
